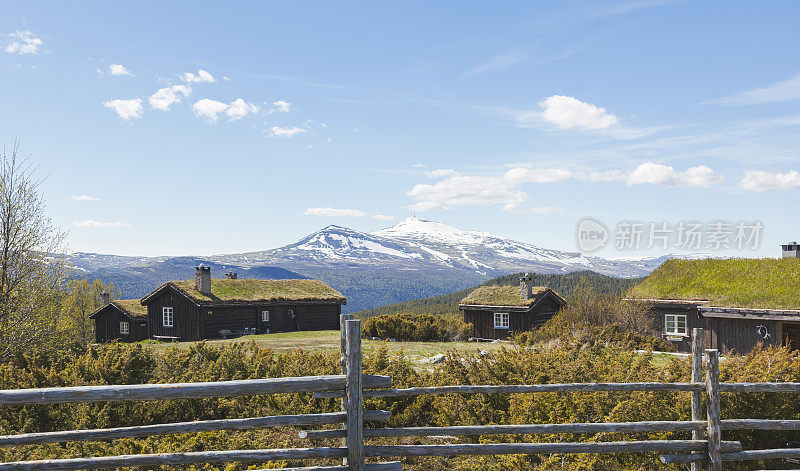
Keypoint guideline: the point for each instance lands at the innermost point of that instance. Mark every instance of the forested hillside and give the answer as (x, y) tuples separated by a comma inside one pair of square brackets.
[(565, 285)]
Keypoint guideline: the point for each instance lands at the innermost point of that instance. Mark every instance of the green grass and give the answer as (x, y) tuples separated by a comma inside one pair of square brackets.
[(501, 296), (249, 290), (749, 283), (329, 340)]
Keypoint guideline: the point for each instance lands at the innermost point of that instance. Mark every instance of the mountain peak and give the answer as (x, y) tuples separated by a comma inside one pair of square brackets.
[(416, 228)]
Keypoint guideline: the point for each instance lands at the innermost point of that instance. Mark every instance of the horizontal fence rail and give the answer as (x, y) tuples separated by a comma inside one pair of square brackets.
[(186, 427), (523, 389), (759, 387), (526, 429), (389, 466), (158, 459), (643, 446), (154, 392)]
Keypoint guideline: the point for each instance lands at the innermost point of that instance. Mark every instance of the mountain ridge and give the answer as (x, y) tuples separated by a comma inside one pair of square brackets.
[(412, 259)]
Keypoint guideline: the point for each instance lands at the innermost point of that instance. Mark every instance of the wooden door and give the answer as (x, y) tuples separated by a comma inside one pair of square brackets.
[(791, 335), (290, 319)]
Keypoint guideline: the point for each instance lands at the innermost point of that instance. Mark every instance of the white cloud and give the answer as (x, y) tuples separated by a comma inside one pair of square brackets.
[(239, 108), (569, 112), (418, 166), (119, 69), (202, 76), (23, 42), (281, 107), (785, 90), (287, 132), (659, 174), (126, 109), (84, 198), (209, 108), (166, 97), (383, 217), (457, 189), (235, 110), (92, 223), (759, 180), (466, 190), (333, 212)]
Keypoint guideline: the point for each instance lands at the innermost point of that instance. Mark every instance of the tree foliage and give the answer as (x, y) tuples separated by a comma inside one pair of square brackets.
[(31, 269)]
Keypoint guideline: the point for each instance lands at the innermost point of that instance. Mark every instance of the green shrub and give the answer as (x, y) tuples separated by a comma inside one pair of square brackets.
[(416, 328)]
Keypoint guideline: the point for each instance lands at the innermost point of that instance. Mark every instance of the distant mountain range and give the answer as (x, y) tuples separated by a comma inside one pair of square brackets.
[(413, 259)]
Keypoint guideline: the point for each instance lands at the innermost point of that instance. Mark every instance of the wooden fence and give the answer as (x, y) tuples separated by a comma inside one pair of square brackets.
[(706, 447)]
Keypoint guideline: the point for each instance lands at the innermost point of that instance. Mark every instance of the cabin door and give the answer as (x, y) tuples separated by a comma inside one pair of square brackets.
[(791, 335), (290, 320)]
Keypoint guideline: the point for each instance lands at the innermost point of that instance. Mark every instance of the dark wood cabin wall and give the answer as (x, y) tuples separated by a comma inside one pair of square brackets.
[(318, 316), (519, 321), (185, 315), (232, 318), (741, 335), (106, 327), (693, 320)]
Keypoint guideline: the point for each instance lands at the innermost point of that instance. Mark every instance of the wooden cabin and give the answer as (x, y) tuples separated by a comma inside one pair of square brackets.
[(738, 302), (124, 320), (497, 312), (206, 308)]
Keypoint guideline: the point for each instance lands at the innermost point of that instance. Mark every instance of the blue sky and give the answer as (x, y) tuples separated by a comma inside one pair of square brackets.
[(206, 127)]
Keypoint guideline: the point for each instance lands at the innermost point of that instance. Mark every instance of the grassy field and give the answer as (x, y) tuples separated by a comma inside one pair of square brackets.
[(329, 340)]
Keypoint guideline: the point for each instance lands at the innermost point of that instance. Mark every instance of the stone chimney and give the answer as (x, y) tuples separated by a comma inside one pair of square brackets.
[(526, 286), (105, 298), (202, 279), (790, 250), (231, 275)]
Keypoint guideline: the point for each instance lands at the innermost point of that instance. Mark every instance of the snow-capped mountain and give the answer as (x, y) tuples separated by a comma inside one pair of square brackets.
[(413, 259), (421, 244)]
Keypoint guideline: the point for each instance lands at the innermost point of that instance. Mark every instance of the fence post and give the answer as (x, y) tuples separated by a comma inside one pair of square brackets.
[(343, 318), (355, 422), (713, 411), (697, 377)]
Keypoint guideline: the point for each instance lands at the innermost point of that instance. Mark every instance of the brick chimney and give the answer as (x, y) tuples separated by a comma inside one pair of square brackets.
[(790, 250), (202, 279), (526, 286), (105, 298), (231, 275)]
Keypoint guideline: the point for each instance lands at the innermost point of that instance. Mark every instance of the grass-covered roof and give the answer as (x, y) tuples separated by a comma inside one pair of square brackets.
[(258, 291), (764, 283), (502, 296), (133, 307)]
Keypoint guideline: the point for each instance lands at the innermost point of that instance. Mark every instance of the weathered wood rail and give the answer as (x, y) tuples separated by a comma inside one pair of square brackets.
[(706, 446)]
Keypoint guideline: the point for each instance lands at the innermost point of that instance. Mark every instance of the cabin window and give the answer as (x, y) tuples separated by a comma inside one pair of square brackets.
[(166, 316), (124, 327), (501, 320), (264, 316), (675, 324)]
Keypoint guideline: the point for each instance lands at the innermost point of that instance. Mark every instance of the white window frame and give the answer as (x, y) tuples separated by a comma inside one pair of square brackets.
[(124, 327), (672, 325), (167, 317), (264, 316), (502, 320)]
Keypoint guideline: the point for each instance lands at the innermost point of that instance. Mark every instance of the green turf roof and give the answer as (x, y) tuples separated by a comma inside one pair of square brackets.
[(267, 291), (502, 296), (133, 307), (764, 283)]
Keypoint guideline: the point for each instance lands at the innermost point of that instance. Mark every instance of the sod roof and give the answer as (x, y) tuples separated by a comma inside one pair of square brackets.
[(261, 291), (764, 283), (133, 307), (502, 296)]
